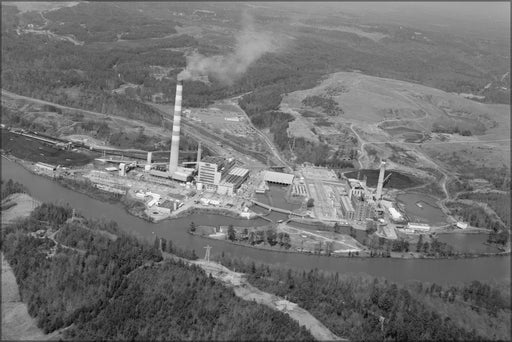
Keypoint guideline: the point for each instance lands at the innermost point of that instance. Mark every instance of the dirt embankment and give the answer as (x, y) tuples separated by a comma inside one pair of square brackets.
[(246, 291), (16, 322)]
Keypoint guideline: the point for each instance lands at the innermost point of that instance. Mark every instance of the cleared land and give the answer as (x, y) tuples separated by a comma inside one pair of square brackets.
[(397, 121)]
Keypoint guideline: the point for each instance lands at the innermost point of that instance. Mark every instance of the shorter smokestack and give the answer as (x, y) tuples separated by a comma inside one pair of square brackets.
[(199, 150), (380, 184), (150, 157)]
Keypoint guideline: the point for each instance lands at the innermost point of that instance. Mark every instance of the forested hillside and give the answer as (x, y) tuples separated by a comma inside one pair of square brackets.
[(124, 43), (107, 285), (364, 308), (499, 202)]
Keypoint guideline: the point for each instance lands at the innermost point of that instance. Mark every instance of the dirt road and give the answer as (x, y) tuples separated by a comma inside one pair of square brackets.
[(246, 291)]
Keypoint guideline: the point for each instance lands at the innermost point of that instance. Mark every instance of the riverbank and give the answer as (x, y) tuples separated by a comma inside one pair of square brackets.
[(189, 214), (199, 209), (130, 204), (362, 254)]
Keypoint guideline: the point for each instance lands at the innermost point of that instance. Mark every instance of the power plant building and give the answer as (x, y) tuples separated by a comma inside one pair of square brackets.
[(211, 171), (395, 214), (346, 208), (232, 182), (208, 175), (357, 188), (363, 207), (278, 177)]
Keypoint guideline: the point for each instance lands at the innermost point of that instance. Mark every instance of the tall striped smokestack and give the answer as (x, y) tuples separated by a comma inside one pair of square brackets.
[(175, 142)]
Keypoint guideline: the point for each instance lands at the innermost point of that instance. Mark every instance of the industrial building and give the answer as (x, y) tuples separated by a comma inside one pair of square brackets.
[(364, 207), (395, 215), (278, 177), (208, 176), (418, 227), (46, 167), (462, 225), (346, 208), (211, 171), (232, 182), (357, 188)]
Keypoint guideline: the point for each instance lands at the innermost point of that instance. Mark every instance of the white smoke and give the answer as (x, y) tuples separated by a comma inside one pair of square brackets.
[(250, 46)]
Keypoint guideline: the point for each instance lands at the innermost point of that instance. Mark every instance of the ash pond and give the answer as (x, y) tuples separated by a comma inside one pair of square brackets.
[(422, 208), (443, 271)]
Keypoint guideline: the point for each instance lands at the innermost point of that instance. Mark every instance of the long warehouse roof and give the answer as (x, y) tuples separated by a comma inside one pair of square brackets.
[(238, 171), (278, 177), (346, 203)]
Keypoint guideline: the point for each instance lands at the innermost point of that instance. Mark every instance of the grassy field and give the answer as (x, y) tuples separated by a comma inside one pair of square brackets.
[(395, 119)]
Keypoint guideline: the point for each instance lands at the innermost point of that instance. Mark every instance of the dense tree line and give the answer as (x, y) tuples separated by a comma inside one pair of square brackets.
[(327, 104), (436, 128), (102, 23), (176, 302), (59, 289), (432, 248), (55, 215), (37, 66), (11, 187), (499, 202), (268, 237), (366, 308), (113, 287), (475, 215)]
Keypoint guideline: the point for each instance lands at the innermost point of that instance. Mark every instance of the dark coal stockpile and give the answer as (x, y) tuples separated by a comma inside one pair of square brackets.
[(36, 151), (396, 181)]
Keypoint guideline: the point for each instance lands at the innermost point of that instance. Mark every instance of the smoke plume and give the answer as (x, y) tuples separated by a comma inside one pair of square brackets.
[(250, 45)]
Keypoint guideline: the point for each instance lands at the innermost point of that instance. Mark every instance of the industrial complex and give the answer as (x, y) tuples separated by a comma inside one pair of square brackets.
[(166, 188)]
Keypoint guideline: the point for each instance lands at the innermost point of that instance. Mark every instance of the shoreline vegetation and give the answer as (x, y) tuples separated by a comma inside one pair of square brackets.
[(361, 255), (133, 294), (137, 208)]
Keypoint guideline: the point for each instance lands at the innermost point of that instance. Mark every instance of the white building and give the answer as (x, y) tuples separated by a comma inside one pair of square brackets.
[(46, 167), (462, 225), (278, 177), (418, 227), (395, 215)]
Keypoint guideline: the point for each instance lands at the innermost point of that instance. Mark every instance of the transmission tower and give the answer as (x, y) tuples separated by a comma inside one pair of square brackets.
[(207, 255)]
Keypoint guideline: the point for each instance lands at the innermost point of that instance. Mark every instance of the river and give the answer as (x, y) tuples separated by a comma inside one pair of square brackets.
[(443, 271)]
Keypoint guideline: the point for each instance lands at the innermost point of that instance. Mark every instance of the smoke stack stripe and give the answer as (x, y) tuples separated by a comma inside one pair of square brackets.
[(175, 142)]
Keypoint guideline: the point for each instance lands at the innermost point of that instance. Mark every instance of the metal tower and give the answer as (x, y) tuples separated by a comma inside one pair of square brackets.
[(207, 255)]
